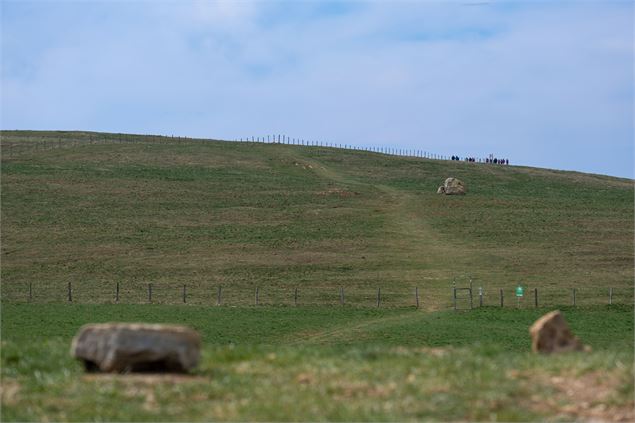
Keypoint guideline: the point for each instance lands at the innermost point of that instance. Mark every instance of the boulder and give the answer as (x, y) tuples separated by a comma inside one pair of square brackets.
[(452, 186), (136, 347), (551, 334)]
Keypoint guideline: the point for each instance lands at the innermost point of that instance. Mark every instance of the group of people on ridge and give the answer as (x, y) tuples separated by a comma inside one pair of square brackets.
[(497, 161), (487, 160)]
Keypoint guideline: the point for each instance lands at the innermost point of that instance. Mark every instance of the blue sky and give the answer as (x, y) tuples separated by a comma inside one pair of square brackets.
[(547, 84)]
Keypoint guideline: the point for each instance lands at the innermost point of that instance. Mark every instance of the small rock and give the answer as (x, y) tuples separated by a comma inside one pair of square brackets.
[(452, 186), (137, 347), (551, 334)]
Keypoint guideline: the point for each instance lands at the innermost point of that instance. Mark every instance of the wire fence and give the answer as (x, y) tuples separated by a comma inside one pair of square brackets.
[(14, 145), (429, 298), (395, 151)]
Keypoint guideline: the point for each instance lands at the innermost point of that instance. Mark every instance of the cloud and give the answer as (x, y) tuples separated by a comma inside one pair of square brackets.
[(544, 84)]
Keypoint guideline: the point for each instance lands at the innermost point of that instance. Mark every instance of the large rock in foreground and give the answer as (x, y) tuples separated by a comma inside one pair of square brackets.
[(551, 334), (452, 186), (137, 347)]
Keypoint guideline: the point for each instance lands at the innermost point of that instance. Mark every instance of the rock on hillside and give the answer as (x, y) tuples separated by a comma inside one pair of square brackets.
[(137, 347), (452, 186), (551, 334)]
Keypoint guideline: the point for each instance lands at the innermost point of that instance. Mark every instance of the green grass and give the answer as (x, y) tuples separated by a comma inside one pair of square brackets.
[(241, 215), (100, 209), (282, 363), (603, 327)]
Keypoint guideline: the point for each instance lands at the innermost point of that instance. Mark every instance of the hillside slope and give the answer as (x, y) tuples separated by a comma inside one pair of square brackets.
[(242, 215)]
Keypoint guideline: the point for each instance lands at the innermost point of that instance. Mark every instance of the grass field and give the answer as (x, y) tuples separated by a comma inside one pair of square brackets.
[(321, 363), (240, 215), (98, 210)]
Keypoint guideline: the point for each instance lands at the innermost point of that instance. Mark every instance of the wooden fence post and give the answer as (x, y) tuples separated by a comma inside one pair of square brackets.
[(149, 292), (417, 296), (117, 293), (218, 295), (256, 296), (454, 298), (378, 296), (184, 293), (70, 293), (610, 296), (536, 297), (501, 294), (295, 296), (480, 296)]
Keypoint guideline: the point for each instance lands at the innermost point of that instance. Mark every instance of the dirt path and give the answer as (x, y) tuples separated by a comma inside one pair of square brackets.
[(348, 330), (400, 206), (409, 235)]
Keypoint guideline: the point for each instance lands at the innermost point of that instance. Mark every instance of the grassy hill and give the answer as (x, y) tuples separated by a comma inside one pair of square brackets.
[(101, 209), (140, 209)]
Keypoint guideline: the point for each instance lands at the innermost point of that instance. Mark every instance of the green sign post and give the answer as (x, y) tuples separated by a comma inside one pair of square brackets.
[(520, 291)]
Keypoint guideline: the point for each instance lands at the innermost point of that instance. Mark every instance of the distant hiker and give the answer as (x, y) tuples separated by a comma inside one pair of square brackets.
[(495, 161), (507, 161)]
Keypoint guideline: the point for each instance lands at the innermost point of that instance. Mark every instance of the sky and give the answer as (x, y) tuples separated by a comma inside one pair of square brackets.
[(545, 84)]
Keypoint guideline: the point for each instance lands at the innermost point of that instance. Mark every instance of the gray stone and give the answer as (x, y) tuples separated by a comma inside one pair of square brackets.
[(137, 347), (551, 334), (452, 186)]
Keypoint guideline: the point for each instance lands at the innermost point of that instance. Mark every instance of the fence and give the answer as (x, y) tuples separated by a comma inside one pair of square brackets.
[(429, 298), (285, 139), (49, 141)]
